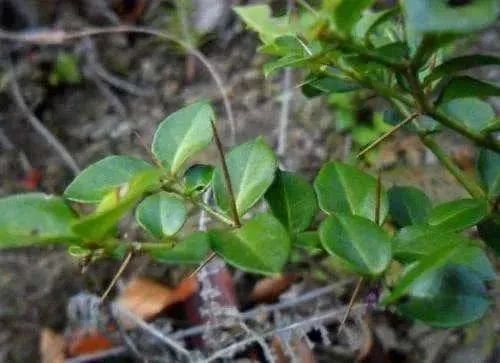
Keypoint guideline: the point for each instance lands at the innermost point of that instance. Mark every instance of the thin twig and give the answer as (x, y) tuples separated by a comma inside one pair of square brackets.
[(227, 178), (58, 37), (350, 305), (387, 134), (120, 271), (38, 126), (207, 260)]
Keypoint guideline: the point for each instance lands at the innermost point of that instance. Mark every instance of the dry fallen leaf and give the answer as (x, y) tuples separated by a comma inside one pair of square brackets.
[(52, 347), (146, 298), (270, 288), (87, 342)]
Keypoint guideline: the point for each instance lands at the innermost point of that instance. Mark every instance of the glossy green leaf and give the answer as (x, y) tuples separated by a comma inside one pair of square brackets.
[(251, 169), (365, 246), (474, 257), (465, 86), (183, 134), (474, 113), (448, 297), (459, 214), (408, 205), (348, 13), (259, 19), (316, 86), (161, 214), (463, 63), (307, 240), (102, 222), (369, 22), (488, 166), (292, 201), (98, 179), (261, 245), (440, 16), (197, 178), (191, 250), (34, 218), (439, 257), (342, 188), (287, 61)]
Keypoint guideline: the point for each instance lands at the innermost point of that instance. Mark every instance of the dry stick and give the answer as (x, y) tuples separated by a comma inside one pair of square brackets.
[(122, 268), (387, 134), (39, 127), (57, 37), (350, 305)]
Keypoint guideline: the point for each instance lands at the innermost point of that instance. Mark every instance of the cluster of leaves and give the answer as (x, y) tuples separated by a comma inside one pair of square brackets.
[(345, 214)]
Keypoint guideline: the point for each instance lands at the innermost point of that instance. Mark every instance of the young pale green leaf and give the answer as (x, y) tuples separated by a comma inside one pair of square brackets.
[(423, 267), (488, 166), (465, 86), (348, 13), (34, 218), (259, 19), (161, 214), (292, 200), (98, 179), (309, 240), (287, 61), (433, 16), (408, 205), (192, 250), (197, 178), (342, 188), (474, 113), (251, 169), (365, 246), (463, 63), (459, 214), (316, 86), (261, 245), (100, 223), (489, 231), (448, 297), (183, 134)]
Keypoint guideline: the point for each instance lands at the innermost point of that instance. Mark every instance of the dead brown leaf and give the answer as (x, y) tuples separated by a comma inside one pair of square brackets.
[(87, 342), (270, 288)]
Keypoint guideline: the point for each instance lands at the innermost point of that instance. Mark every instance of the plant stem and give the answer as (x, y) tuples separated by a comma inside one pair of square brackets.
[(351, 304), (470, 185)]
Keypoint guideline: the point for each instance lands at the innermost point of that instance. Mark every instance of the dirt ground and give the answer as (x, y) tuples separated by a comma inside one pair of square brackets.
[(95, 118)]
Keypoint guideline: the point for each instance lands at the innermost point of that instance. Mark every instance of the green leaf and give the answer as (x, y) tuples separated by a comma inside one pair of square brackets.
[(477, 115), (488, 165), (473, 257), (365, 246), (448, 297), (261, 245), (440, 16), (408, 205), (192, 250), (183, 134), (259, 19), (34, 218), (369, 22), (251, 169), (438, 258), (292, 201), (489, 231), (464, 86), (287, 61), (463, 63), (316, 86), (104, 220), (459, 214), (342, 188), (161, 214), (308, 240), (98, 179), (348, 13), (65, 70), (197, 178)]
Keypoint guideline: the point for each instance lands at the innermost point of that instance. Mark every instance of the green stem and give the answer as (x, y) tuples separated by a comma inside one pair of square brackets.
[(469, 184)]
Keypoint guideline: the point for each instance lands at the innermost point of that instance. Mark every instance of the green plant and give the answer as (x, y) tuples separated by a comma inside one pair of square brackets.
[(430, 269)]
